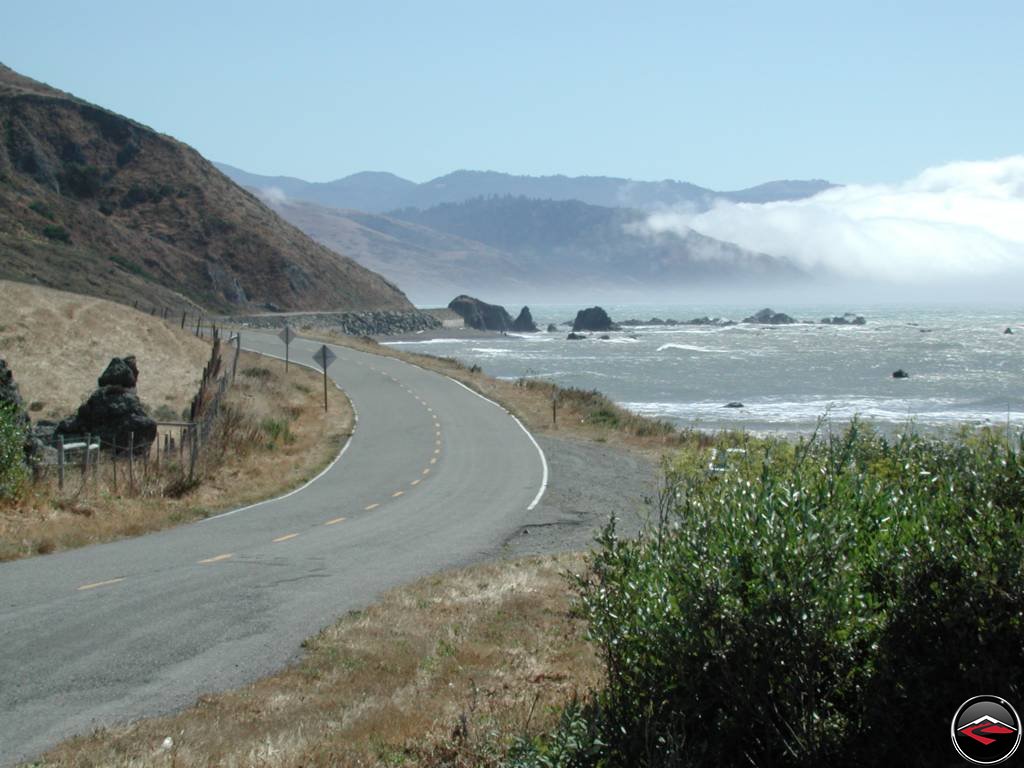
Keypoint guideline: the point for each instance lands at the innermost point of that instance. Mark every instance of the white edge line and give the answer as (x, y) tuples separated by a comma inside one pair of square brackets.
[(324, 471), (543, 458)]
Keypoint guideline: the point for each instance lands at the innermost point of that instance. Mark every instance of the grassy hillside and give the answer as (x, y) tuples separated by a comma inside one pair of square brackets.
[(58, 343), (96, 203)]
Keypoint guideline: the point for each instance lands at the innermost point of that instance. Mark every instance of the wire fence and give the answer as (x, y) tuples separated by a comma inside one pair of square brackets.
[(134, 465)]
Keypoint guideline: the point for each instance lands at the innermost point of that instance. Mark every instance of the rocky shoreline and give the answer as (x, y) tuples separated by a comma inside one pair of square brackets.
[(376, 323)]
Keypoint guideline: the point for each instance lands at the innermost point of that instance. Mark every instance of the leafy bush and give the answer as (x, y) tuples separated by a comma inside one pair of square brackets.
[(277, 430), (42, 209), (815, 603), (81, 180), (13, 472), (56, 232)]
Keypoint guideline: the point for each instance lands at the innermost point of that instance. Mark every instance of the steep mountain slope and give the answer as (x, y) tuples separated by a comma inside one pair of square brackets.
[(380, 192), (96, 203), (432, 265)]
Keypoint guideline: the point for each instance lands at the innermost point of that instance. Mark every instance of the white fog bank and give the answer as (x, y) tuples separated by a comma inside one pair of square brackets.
[(958, 221)]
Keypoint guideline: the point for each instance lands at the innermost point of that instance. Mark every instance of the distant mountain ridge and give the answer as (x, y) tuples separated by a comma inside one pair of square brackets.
[(378, 192), (96, 203), (523, 249)]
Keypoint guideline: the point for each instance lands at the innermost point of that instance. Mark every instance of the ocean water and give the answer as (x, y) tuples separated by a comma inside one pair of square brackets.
[(963, 368)]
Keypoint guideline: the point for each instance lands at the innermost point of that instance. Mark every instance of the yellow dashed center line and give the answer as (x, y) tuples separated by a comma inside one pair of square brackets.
[(287, 536), (335, 521), (216, 559), (426, 471), (100, 584), (437, 451), (415, 482), (434, 460), (396, 494), (372, 506)]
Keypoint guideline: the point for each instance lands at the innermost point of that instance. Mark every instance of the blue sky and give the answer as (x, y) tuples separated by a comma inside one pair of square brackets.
[(724, 94)]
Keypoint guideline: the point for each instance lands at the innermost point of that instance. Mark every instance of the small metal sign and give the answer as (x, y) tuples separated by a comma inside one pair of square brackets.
[(286, 335), (324, 356)]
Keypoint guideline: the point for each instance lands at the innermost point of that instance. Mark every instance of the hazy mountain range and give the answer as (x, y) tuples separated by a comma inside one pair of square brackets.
[(515, 246), (378, 192)]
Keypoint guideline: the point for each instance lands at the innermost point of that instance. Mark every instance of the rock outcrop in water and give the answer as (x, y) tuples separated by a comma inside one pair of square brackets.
[(481, 315), (575, 336), (848, 318), (899, 373), (524, 323), (717, 321), (768, 317), (593, 319)]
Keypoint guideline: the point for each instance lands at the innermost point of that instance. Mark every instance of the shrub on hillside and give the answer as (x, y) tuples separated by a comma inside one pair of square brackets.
[(831, 602)]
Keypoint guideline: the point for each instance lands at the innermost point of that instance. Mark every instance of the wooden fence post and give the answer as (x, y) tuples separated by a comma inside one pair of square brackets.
[(131, 462), (113, 464), (183, 319), (60, 462), (192, 455), (238, 352), (85, 459)]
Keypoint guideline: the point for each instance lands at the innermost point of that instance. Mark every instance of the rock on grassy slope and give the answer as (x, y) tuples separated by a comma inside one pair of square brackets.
[(96, 203), (58, 343)]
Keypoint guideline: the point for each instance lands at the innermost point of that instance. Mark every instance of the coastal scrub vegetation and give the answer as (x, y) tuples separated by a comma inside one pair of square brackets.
[(13, 473), (806, 606)]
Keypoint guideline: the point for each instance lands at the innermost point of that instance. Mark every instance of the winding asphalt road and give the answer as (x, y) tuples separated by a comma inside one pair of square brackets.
[(434, 476)]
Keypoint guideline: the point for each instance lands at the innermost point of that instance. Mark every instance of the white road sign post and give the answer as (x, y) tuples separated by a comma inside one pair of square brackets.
[(286, 335), (324, 357)]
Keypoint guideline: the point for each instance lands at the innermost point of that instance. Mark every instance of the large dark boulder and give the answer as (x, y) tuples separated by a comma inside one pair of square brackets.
[(114, 413), (524, 323), (120, 372), (768, 317), (899, 373), (481, 315), (552, 328), (593, 319), (573, 336)]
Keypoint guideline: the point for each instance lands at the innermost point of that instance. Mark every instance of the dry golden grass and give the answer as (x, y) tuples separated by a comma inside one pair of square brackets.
[(57, 344), (273, 436), (446, 671)]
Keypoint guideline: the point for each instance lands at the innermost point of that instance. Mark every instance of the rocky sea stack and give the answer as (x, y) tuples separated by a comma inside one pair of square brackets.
[(524, 323), (481, 315), (593, 319)]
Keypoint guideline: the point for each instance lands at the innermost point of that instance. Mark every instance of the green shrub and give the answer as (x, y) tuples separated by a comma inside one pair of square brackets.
[(81, 180), (56, 232), (277, 430), (42, 209), (13, 472), (818, 603), (257, 372), (128, 266)]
